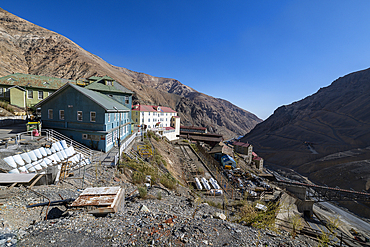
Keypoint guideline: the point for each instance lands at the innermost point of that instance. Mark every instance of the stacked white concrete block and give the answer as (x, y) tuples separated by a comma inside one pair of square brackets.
[(38, 160)]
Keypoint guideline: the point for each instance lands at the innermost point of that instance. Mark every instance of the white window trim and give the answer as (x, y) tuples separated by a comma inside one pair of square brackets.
[(91, 120), (50, 113), (38, 94), (28, 95), (108, 117), (81, 115), (60, 115)]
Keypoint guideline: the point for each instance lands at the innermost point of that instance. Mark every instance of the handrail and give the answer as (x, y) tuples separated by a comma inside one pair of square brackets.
[(52, 134)]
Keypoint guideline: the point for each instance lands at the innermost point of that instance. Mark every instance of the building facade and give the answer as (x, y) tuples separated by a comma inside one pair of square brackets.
[(244, 148), (27, 90), (160, 119), (152, 116), (87, 116)]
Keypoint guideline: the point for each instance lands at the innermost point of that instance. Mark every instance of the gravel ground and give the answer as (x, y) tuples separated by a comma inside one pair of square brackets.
[(168, 222)]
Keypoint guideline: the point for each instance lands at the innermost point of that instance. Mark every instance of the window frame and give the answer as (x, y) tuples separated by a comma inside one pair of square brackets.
[(38, 94), (79, 113), (50, 113), (92, 119), (29, 94), (61, 112)]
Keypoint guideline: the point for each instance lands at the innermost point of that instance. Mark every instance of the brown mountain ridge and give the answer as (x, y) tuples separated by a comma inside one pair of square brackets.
[(325, 136), (28, 48)]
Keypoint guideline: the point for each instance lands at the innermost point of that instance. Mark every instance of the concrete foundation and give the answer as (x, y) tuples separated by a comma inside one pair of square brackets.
[(298, 191), (303, 205)]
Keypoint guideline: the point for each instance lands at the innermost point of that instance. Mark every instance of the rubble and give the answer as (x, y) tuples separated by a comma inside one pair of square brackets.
[(143, 222)]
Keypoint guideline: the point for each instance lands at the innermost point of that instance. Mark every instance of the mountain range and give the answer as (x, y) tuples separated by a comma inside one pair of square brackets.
[(325, 136), (28, 48)]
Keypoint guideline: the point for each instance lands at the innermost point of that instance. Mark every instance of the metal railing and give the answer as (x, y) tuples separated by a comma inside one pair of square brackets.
[(53, 135), (127, 143)]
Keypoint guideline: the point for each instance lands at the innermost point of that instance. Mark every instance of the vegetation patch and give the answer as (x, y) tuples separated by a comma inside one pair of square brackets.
[(258, 218)]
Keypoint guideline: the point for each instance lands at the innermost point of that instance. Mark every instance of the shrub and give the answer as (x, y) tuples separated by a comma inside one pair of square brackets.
[(138, 178), (159, 195), (259, 219), (168, 181), (143, 192)]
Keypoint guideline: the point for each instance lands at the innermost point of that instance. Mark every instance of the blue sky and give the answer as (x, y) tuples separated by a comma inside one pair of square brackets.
[(258, 55)]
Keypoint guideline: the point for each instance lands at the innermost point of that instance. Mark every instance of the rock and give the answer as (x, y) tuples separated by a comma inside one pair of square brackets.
[(220, 216), (144, 209)]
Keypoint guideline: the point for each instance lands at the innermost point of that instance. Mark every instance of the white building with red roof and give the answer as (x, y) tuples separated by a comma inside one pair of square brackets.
[(160, 119)]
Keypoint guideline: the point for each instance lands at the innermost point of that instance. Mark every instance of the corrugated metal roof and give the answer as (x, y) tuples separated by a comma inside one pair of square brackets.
[(35, 81), (99, 85), (192, 127), (103, 100), (241, 144), (152, 108)]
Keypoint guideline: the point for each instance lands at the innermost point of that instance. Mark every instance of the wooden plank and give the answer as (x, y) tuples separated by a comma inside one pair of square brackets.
[(7, 178), (35, 181), (11, 186)]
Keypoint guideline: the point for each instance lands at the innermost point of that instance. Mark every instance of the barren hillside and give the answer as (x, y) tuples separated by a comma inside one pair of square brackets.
[(28, 48)]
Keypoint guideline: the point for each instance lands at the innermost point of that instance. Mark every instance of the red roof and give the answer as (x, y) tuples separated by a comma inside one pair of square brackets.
[(254, 154), (169, 128), (152, 108), (241, 144), (257, 158), (176, 116)]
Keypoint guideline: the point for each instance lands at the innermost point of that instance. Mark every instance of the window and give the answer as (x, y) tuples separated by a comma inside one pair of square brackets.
[(29, 94), (149, 113), (79, 115), (92, 116), (108, 117), (50, 113), (91, 137), (109, 83), (127, 100), (40, 95), (109, 138), (148, 119), (61, 114), (115, 116), (115, 135), (1, 92)]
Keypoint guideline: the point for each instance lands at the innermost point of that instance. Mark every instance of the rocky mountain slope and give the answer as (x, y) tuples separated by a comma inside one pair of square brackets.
[(310, 135), (27, 48)]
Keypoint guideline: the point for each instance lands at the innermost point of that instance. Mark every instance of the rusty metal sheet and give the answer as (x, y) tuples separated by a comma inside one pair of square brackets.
[(99, 196), (93, 201), (101, 191)]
